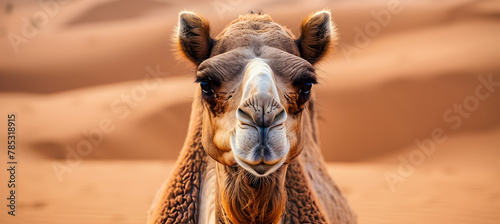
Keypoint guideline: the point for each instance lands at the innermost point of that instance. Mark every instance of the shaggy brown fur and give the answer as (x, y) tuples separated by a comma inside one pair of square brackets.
[(178, 200), (301, 206), (245, 198)]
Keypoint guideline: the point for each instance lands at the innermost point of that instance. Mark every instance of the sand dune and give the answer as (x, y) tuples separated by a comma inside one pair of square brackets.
[(381, 97), (457, 191)]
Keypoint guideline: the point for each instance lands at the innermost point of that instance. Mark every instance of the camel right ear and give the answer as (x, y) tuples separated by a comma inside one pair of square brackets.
[(193, 37), (317, 33)]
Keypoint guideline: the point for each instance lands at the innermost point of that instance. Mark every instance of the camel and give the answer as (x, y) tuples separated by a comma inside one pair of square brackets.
[(252, 152)]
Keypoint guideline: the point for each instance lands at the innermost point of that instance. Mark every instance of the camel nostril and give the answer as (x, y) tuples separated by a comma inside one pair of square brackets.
[(261, 111), (279, 118), (244, 117)]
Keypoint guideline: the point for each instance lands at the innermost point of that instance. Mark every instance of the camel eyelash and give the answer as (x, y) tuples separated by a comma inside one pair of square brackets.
[(199, 79), (304, 78), (204, 78)]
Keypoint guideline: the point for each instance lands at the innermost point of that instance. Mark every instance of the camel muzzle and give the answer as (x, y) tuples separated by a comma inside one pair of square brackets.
[(260, 144)]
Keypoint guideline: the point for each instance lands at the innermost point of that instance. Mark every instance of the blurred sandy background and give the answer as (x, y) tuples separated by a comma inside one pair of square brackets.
[(407, 80)]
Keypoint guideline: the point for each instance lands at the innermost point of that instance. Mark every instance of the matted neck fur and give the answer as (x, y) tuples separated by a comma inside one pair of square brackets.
[(253, 127)]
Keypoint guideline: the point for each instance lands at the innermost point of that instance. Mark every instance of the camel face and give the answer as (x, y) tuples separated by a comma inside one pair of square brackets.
[(255, 82)]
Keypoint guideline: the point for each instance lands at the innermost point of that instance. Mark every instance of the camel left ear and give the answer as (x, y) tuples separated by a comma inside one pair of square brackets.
[(316, 34), (193, 37)]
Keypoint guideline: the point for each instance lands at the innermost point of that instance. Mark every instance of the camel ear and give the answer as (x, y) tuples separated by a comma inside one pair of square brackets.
[(193, 37), (316, 33)]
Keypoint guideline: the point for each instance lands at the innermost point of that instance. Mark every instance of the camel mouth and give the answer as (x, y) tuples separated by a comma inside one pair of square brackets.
[(258, 156), (261, 168)]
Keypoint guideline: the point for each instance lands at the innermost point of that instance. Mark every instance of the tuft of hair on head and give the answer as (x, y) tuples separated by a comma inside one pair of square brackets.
[(192, 39), (318, 36), (256, 11)]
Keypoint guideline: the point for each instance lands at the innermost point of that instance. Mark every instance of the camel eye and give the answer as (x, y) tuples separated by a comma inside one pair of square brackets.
[(304, 92), (206, 87), (306, 88)]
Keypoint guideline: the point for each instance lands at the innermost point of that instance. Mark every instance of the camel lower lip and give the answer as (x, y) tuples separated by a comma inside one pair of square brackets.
[(261, 168)]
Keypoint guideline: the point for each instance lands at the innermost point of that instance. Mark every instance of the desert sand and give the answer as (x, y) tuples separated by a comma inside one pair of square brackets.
[(395, 142)]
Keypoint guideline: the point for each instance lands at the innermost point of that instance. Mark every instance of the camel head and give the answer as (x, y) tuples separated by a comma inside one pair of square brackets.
[(255, 81)]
